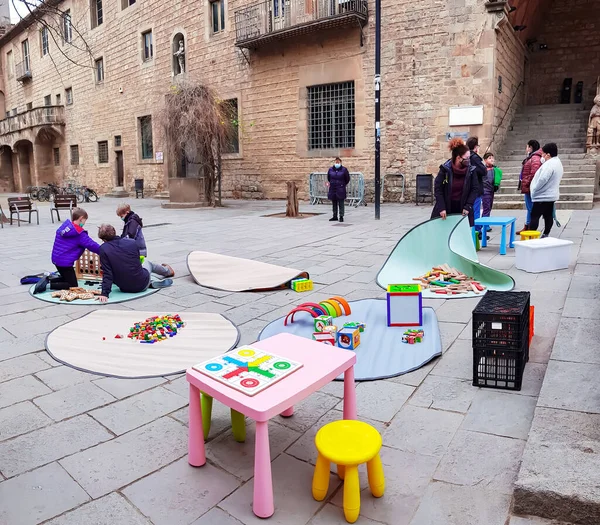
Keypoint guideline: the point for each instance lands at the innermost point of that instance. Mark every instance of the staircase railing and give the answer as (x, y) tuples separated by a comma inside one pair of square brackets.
[(504, 116), (593, 132)]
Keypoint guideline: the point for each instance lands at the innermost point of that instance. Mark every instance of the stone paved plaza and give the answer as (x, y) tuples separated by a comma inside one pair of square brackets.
[(79, 449)]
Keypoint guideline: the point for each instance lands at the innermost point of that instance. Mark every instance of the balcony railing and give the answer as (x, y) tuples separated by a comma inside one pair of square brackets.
[(268, 20), (23, 70), (46, 115)]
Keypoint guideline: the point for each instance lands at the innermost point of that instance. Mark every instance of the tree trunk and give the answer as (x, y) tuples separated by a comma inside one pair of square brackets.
[(291, 210)]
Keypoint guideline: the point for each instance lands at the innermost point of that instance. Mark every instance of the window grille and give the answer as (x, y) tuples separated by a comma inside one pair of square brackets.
[(331, 116), (74, 155), (103, 152)]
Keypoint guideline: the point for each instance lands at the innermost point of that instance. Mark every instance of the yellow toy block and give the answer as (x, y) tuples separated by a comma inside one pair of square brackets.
[(302, 285)]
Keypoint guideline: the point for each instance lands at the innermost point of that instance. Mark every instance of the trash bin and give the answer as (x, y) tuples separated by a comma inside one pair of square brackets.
[(424, 189), (139, 187)]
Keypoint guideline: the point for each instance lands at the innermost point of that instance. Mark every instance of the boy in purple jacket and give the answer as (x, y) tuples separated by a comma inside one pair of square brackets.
[(70, 242)]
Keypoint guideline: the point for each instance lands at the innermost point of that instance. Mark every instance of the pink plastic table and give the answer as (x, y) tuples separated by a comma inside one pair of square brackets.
[(322, 364)]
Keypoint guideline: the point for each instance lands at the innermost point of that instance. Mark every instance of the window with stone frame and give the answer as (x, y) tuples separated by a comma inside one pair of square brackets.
[(230, 108), (10, 64), (67, 26), (147, 46), (331, 116), (217, 15), (103, 152), (58, 99), (126, 3), (96, 13), (57, 156), (147, 147), (99, 70), (69, 96), (25, 53), (118, 141), (44, 41), (74, 155)]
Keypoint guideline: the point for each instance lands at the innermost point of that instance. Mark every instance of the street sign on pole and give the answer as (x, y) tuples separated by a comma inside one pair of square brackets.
[(377, 109)]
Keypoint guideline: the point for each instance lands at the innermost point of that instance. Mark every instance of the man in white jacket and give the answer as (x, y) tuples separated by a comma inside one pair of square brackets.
[(545, 188)]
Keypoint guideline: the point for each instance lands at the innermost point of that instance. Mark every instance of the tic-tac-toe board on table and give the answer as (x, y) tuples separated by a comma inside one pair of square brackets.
[(248, 369)]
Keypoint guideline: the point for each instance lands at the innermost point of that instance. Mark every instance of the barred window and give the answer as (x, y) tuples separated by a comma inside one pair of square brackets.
[(331, 116), (118, 141), (74, 155), (103, 152), (230, 108), (57, 156), (69, 96)]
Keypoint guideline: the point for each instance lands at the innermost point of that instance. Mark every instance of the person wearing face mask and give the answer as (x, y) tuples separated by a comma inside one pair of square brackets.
[(531, 164), (545, 188), (132, 229), (337, 180), (69, 243), (456, 186), (481, 172)]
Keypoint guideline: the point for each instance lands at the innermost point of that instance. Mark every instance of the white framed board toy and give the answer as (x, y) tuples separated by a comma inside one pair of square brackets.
[(248, 369)]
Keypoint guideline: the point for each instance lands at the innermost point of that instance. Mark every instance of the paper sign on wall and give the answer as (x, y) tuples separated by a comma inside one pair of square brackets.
[(465, 116)]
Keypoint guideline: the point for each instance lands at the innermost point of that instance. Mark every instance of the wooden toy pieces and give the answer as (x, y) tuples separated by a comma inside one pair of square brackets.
[(248, 369), (322, 321), (413, 336), (404, 305), (76, 293), (331, 307), (324, 337), (301, 285), (444, 280), (155, 329), (348, 338)]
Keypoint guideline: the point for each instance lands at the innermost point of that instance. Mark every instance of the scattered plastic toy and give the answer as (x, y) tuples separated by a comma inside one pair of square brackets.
[(155, 329), (413, 336)]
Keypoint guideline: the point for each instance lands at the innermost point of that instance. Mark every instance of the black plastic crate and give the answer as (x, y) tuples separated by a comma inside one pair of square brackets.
[(503, 369), (501, 321)]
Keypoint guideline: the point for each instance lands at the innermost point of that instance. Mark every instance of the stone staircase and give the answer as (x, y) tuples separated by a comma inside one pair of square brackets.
[(565, 124)]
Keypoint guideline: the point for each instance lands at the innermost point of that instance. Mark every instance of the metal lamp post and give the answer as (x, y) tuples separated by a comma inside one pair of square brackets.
[(377, 109)]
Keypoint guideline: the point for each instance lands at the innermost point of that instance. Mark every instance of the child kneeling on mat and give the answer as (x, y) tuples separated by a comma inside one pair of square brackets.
[(120, 260), (70, 242)]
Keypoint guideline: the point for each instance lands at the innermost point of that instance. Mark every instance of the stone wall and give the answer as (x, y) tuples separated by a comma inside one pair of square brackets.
[(509, 65), (435, 54), (571, 30)]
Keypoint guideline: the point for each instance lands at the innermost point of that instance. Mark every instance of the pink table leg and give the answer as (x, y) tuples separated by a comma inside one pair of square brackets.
[(288, 413), (349, 394), (196, 454), (263, 483)]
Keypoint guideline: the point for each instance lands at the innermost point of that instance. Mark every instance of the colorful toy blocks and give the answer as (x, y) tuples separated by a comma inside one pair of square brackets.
[(413, 336), (324, 337), (348, 338), (330, 329), (322, 321), (302, 285), (354, 324), (404, 305)]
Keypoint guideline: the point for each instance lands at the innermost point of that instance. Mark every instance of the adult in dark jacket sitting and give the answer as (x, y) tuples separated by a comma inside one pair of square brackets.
[(337, 179), (120, 261), (456, 186)]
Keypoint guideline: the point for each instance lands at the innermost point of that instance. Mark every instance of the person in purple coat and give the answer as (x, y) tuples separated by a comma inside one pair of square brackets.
[(70, 242), (337, 180)]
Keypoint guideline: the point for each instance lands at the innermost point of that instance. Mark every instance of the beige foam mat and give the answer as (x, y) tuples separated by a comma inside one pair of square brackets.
[(89, 343)]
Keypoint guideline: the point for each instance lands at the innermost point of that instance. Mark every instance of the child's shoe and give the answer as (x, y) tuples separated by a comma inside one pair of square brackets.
[(334, 218), (341, 219), (171, 271)]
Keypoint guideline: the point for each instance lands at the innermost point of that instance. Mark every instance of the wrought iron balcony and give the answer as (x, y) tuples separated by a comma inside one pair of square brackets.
[(23, 71), (36, 117), (269, 20)]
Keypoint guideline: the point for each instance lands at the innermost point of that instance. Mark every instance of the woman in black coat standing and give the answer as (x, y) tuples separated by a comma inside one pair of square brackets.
[(456, 186), (337, 180)]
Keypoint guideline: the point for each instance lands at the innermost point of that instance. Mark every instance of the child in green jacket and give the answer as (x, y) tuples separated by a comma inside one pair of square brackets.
[(491, 184)]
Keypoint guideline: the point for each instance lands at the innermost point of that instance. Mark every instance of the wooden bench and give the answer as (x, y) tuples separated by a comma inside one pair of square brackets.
[(18, 205), (63, 202)]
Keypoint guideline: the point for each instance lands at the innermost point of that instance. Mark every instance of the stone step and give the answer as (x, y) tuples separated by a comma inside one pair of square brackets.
[(570, 170), (512, 189), (571, 158), (519, 204), (563, 197), (553, 108), (574, 181), (561, 151)]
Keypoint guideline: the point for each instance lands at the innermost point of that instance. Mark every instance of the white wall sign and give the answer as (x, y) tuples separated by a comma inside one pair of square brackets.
[(159, 156), (465, 116)]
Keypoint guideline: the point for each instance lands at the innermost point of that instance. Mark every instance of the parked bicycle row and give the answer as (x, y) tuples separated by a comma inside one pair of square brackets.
[(50, 190)]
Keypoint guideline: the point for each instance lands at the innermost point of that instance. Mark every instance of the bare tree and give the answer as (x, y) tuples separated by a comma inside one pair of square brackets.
[(198, 127)]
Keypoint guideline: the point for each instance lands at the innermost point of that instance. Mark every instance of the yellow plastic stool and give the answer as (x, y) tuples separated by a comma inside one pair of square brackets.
[(348, 444), (527, 235)]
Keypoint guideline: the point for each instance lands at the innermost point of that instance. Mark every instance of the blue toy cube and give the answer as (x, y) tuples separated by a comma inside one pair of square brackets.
[(348, 338)]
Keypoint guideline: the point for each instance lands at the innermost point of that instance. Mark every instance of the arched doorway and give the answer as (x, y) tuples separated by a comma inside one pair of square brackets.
[(49, 156), (24, 164), (7, 178)]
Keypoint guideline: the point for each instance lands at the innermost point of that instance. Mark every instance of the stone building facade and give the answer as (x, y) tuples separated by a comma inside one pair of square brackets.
[(82, 98)]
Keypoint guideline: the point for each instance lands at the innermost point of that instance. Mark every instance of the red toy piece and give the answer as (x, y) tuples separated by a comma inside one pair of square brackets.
[(299, 309)]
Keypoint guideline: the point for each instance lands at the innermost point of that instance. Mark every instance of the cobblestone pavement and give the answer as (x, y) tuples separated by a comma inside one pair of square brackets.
[(77, 448)]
